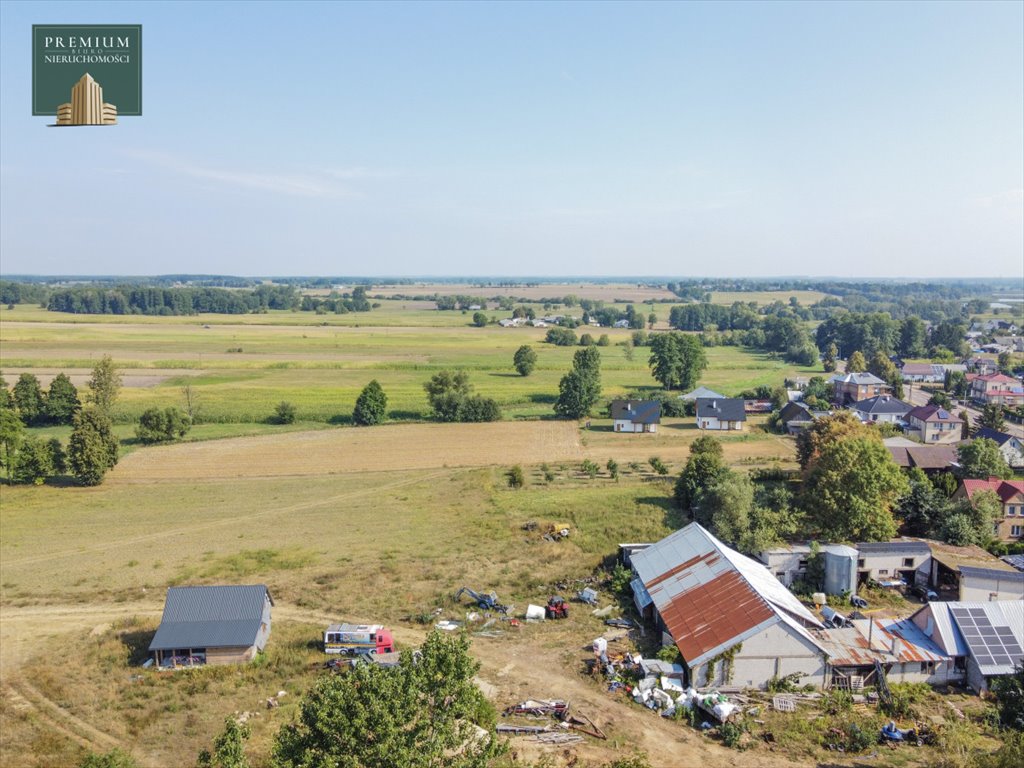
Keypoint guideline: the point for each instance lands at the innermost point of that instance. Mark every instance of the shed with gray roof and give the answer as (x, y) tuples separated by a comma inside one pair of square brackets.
[(212, 625)]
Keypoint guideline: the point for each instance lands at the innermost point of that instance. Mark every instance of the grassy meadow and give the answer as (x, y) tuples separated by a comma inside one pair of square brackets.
[(240, 367)]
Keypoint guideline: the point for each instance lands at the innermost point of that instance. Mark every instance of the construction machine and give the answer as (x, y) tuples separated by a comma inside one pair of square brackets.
[(484, 601)]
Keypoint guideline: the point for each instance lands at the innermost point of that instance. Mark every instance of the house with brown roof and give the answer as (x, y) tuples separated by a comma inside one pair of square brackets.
[(933, 425), (996, 388), (714, 604), (930, 458), (1011, 495)]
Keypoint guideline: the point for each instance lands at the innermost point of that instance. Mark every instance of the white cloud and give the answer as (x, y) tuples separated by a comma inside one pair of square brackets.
[(321, 184)]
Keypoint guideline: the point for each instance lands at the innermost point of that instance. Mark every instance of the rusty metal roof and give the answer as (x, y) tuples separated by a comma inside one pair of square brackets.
[(871, 640), (711, 597)]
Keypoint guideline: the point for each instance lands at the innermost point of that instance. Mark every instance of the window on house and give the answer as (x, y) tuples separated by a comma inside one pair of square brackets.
[(883, 571), (908, 562), (860, 563), (928, 666), (802, 565), (1012, 511), (1015, 530)]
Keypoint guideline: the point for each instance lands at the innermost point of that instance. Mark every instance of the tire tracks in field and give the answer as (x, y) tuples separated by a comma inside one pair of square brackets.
[(170, 532)]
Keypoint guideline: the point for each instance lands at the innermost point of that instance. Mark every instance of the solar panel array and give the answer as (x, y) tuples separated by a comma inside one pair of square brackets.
[(990, 645)]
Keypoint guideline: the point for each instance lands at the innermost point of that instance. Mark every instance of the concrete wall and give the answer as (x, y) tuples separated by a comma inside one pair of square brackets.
[(980, 589), (892, 564), (785, 566), (775, 652), (264, 634), (910, 672)]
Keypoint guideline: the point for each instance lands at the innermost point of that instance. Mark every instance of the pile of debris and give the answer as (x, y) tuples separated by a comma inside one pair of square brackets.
[(657, 685), (549, 733)]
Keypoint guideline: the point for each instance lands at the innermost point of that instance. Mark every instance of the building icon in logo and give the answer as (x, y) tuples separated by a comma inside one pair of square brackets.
[(86, 106)]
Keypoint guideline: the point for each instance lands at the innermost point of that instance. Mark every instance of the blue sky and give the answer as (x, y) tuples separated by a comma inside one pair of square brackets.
[(733, 139)]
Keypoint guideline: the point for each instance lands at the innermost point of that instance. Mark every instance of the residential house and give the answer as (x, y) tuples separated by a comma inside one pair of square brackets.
[(853, 387), (700, 392), (881, 408), (982, 365), (796, 417), (996, 388), (1010, 446), (929, 458), (984, 639), (1011, 495), (933, 425), (212, 625), (1012, 343), (725, 413), (709, 600), (636, 415), (924, 372)]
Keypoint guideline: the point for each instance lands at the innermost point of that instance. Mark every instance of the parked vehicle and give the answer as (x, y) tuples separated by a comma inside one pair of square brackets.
[(355, 639), (484, 601), (556, 608), (924, 593)]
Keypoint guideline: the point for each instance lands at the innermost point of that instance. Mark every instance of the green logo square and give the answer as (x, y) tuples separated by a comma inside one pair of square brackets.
[(101, 62)]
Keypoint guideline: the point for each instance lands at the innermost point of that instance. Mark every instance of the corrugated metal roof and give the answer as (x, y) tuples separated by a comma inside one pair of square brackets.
[(895, 547), (210, 617), (911, 634), (1006, 614), (997, 573), (711, 597)]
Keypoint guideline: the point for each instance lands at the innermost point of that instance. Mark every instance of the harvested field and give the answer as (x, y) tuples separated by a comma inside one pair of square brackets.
[(397, 446), (431, 446)]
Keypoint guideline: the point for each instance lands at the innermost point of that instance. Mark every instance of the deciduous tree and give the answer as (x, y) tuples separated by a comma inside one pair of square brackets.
[(677, 360), (29, 400), (851, 489), (856, 363), (981, 459), (579, 389), (228, 747), (12, 434), (423, 713), (104, 384), (92, 450), (371, 405), (992, 417), (525, 360), (159, 425), (62, 400)]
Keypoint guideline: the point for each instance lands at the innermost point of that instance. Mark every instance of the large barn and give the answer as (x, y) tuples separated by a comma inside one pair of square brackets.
[(212, 625), (731, 619)]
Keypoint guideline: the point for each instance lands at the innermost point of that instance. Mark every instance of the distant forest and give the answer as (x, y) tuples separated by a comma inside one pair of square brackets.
[(152, 300)]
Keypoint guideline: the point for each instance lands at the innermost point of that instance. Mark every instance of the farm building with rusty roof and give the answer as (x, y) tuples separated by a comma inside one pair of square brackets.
[(731, 619)]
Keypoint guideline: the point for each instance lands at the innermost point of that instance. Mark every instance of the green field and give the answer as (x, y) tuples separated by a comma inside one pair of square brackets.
[(322, 369)]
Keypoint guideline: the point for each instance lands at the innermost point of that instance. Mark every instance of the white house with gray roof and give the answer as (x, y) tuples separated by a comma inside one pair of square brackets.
[(721, 413)]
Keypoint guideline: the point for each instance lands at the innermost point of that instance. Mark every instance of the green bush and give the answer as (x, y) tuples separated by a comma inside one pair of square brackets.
[(731, 734)]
